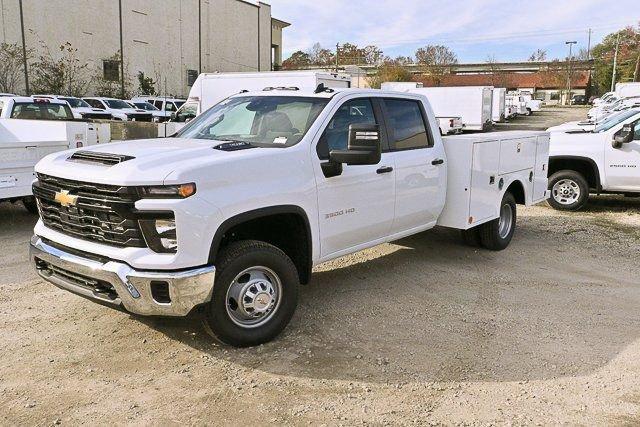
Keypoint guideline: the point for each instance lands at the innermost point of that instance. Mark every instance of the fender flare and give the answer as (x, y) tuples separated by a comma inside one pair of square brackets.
[(243, 217), (589, 160)]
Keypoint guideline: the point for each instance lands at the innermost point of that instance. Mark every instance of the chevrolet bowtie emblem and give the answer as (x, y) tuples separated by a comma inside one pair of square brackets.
[(65, 199)]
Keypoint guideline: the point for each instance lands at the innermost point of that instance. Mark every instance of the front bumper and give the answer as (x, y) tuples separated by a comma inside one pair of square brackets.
[(115, 284)]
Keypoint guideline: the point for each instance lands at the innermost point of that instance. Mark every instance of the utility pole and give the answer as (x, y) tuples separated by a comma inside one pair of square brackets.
[(636, 73), (589, 46), (24, 53), (200, 37), (121, 52), (337, 55), (615, 64), (570, 69)]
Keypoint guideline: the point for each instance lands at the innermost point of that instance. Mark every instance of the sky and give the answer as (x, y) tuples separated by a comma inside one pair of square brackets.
[(509, 30)]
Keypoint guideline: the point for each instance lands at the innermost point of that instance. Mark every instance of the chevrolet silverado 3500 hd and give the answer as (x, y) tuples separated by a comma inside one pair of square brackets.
[(229, 216)]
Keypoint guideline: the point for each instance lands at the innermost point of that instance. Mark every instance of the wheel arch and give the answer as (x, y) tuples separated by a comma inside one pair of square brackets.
[(583, 165), (517, 189), (278, 225)]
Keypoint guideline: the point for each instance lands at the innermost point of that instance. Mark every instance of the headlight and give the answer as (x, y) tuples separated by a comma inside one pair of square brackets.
[(168, 191), (160, 234)]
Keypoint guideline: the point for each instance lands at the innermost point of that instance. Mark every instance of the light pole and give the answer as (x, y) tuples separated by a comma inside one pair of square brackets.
[(569, 76)]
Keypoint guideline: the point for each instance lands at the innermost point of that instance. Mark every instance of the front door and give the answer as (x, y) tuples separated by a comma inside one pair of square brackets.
[(622, 165), (356, 207)]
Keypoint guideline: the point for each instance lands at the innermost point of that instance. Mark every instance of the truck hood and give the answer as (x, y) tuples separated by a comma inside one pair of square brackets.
[(565, 142), (144, 162)]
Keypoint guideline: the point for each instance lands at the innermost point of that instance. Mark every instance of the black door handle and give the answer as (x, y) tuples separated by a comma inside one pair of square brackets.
[(437, 162), (384, 169)]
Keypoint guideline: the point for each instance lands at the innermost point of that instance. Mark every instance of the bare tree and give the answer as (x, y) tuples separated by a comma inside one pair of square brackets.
[(436, 59), (497, 76), (538, 56), (62, 74), (11, 67)]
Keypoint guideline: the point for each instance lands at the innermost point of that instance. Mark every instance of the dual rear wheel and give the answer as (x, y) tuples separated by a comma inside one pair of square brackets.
[(497, 234)]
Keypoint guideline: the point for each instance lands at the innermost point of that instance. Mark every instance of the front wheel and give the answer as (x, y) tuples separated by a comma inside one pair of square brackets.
[(254, 296), (497, 234), (569, 190), (30, 205)]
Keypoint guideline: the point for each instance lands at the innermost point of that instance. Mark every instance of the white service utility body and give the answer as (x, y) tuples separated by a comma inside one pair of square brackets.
[(25, 142), (228, 217)]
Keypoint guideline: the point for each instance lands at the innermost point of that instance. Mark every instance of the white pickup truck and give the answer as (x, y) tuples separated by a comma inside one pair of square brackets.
[(228, 217), (603, 160)]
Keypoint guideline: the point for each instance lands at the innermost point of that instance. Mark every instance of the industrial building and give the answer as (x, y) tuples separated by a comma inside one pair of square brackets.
[(170, 41)]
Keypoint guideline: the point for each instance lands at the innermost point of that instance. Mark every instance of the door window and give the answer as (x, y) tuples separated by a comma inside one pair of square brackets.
[(169, 107), (336, 135), (407, 128)]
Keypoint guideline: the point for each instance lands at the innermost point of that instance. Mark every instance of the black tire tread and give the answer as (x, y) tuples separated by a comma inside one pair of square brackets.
[(228, 255), (584, 188)]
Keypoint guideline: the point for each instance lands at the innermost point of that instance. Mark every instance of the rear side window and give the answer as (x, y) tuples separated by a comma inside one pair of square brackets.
[(158, 104), (407, 128)]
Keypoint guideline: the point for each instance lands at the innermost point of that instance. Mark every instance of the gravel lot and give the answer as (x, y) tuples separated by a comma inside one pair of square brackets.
[(424, 330)]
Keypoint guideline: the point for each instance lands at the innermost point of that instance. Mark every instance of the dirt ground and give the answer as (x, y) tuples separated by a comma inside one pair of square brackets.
[(421, 331)]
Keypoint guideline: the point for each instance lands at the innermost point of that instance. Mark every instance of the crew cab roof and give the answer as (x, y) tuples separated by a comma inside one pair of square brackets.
[(329, 93)]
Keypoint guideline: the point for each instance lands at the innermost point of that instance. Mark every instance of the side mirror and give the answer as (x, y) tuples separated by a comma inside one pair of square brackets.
[(173, 117), (623, 136), (363, 146)]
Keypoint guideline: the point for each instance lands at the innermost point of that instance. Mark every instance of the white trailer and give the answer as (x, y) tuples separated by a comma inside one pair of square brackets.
[(498, 107), (628, 90), (209, 89), (24, 142), (472, 103)]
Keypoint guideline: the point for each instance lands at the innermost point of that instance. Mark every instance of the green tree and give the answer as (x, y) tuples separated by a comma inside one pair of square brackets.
[(628, 58), (146, 85), (390, 71), (296, 61)]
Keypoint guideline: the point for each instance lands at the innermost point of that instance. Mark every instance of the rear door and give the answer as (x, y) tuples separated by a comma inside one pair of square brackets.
[(419, 165), (356, 207)]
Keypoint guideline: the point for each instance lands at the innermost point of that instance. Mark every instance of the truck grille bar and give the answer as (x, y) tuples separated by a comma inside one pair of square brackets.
[(100, 213)]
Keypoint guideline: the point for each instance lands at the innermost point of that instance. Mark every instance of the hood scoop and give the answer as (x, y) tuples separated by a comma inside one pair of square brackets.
[(107, 159), (233, 146)]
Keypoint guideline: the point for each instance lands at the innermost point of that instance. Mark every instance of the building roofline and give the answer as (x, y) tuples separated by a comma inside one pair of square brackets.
[(284, 24)]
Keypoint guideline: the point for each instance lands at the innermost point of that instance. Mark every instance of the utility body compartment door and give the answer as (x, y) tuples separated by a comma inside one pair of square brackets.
[(540, 174), (484, 180), (517, 154)]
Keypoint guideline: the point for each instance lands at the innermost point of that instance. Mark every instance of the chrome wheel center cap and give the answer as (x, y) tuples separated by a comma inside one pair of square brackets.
[(263, 301)]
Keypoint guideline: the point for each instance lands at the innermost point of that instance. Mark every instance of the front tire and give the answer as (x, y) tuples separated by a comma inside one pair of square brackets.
[(569, 190), (497, 234), (254, 296), (30, 205)]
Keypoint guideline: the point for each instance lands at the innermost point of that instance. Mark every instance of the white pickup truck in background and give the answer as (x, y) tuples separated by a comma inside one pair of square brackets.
[(24, 142), (603, 160), (228, 217)]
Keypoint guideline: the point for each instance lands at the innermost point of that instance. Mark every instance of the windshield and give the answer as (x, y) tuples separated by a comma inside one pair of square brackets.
[(76, 102), (614, 120), (145, 106), (187, 112), (178, 103), (41, 111), (116, 104), (263, 120)]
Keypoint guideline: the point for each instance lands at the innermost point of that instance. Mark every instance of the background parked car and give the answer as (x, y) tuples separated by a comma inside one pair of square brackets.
[(170, 105), (579, 100), (119, 109), (80, 108), (158, 115)]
